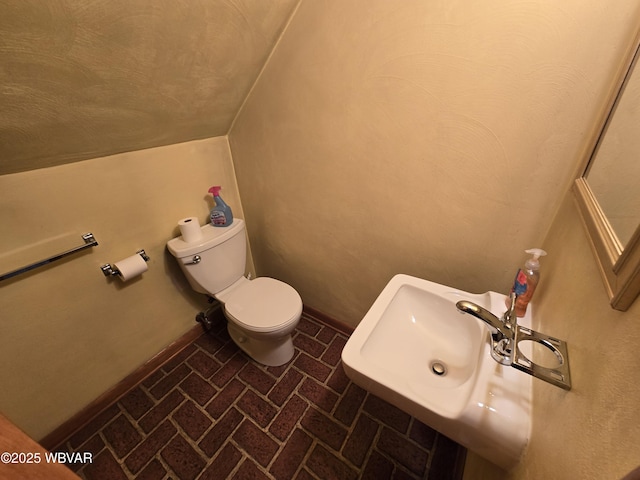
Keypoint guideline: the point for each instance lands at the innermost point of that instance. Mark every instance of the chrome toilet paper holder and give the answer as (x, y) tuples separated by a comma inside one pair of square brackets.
[(110, 271)]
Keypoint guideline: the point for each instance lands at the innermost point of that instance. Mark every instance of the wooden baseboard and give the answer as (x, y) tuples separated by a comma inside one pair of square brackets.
[(326, 319), (114, 394)]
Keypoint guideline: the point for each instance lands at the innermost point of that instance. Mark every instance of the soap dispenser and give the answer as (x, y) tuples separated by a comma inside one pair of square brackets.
[(526, 281), (221, 215)]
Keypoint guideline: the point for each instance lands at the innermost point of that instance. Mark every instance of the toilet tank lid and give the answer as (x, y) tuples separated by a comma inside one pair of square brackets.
[(211, 236)]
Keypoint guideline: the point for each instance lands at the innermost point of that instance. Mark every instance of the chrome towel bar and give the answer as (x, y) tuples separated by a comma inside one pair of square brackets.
[(89, 241)]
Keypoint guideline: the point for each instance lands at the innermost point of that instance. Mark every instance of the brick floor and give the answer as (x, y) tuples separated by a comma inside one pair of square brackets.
[(213, 413)]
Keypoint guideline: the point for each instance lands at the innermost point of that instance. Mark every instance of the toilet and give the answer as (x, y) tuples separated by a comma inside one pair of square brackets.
[(261, 313)]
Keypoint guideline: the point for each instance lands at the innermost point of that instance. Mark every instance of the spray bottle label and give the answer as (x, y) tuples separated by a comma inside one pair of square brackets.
[(218, 218)]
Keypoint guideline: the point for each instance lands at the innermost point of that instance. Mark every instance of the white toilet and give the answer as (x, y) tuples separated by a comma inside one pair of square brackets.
[(261, 313)]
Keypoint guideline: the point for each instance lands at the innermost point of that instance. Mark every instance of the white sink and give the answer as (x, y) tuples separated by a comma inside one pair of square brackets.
[(416, 351)]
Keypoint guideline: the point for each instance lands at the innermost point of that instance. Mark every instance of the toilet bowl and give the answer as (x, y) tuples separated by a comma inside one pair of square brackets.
[(261, 313)]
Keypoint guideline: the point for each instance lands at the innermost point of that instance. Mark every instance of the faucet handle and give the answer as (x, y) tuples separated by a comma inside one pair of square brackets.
[(509, 317)]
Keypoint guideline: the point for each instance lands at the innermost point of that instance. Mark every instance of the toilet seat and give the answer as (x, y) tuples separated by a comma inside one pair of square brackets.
[(264, 305)]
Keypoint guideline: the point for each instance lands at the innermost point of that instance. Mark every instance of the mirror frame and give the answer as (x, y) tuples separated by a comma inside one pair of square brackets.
[(619, 267)]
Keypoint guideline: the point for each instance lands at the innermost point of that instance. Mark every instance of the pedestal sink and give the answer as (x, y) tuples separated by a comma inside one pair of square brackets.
[(416, 351)]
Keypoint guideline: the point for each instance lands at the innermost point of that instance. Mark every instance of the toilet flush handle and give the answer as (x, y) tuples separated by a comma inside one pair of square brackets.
[(194, 261)]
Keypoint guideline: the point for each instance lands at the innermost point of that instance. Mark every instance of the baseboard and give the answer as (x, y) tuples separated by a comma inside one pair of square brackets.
[(326, 319), (114, 394)]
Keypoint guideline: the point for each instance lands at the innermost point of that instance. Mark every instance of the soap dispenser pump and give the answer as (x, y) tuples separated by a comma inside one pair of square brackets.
[(221, 215), (526, 281)]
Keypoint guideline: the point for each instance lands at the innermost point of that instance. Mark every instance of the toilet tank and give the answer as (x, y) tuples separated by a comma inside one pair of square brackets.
[(222, 252)]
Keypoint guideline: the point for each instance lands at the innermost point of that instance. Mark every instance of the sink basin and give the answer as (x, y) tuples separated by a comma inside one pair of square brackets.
[(421, 343), (416, 351)]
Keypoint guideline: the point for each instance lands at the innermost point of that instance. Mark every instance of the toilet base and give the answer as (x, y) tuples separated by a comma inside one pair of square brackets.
[(272, 352)]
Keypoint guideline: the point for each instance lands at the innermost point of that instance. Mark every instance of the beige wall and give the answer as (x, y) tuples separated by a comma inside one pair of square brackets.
[(86, 78), (68, 333), (592, 431), (429, 138)]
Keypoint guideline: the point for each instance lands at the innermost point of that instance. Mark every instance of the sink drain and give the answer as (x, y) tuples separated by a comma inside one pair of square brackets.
[(439, 368)]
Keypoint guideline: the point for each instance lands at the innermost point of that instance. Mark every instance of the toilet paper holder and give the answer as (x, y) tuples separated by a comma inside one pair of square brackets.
[(110, 271)]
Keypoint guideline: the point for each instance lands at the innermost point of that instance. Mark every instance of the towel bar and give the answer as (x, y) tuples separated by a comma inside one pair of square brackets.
[(89, 241)]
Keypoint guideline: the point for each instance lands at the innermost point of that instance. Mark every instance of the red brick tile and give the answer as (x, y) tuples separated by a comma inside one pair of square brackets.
[(288, 417), (179, 358), (249, 471), (227, 352), (136, 402), (153, 378), (324, 427), (422, 434), (329, 467), (304, 475), (308, 326), (223, 464), (312, 367), (285, 386), (257, 408), (225, 398), (104, 467), (377, 467), (121, 435), (403, 475), (86, 432), (387, 413), (399, 448), (94, 445), (192, 420), (318, 394), (204, 364), (258, 379), (333, 353), (182, 458), (229, 370), (150, 446), (326, 335), (291, 456), (360, 440), (255, 442), (338, 380), (165, 385), (158, 413), (349, 405), (198, 388), (153, 471), (308, 345), (279, 370), (220, 432), (210, 343)]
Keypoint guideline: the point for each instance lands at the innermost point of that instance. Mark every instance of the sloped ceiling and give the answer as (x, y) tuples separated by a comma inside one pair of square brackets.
[(82, 79)]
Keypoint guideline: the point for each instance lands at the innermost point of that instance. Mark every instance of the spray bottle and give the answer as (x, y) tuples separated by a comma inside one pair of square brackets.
[(526, 281), (221, 215)]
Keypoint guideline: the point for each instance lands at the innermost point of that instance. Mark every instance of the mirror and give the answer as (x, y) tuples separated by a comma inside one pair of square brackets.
[(608, 191)]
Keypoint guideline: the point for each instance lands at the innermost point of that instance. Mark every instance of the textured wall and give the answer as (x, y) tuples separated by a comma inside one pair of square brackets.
[(431, 138), (592, 431), (68, 333), (82, 79)]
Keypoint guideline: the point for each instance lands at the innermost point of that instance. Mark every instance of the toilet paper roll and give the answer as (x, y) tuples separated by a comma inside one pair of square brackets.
[(131, 267), (190, 229)]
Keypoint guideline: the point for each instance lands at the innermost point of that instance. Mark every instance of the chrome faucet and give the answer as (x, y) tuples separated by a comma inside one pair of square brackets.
[(503, 330), (505, 336)]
